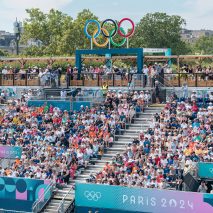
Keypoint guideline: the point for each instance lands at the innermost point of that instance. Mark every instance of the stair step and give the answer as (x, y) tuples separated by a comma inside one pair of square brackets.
[(130, 136), (144, 124), (153, 108), (69, 197), (97, 165), (102, 160), (109, 155), (116, 148), (142, 119), (135, 131), (122, 143), (50, 211), (80, 180), (122, 139)]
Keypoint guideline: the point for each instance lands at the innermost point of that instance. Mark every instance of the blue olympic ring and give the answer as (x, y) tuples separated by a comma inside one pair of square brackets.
[(86, 26)]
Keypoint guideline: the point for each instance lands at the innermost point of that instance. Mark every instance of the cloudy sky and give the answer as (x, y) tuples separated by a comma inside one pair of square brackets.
[(198, 13)]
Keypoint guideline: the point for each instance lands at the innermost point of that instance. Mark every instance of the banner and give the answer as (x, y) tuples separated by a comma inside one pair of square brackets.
[(101, 198), (155, 50), (10, 152), (205, 170), (20, 193), (61, 104)]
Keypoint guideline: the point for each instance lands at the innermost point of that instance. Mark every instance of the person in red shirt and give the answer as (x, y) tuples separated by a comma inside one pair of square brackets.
[(157, 160), (159, 177), (194, 107)]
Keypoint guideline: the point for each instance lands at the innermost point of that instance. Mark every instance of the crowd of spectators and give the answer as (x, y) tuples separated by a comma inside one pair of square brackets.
[(178, 138), (57, 144), (52, 76)]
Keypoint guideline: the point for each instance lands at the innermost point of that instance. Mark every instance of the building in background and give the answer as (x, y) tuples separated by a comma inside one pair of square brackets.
[(192, 36)]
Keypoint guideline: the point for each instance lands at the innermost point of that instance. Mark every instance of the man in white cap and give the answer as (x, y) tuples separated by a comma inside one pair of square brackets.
[(145, 72)]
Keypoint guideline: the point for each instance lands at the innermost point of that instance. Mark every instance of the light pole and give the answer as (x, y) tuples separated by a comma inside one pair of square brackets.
[(18, 29)]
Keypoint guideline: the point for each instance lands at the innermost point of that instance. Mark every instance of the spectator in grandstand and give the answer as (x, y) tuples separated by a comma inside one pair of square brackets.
[(57, 144), (145, 71), (157, 91), (202, 188), (63, 94), (178, 138)]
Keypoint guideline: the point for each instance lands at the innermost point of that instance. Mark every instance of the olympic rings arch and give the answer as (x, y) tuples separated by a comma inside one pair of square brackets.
[(117, 29)]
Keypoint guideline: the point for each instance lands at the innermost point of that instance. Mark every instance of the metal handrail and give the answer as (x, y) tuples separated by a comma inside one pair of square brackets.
[(165, 81), (36, 208), (11, 211), (61, 205)]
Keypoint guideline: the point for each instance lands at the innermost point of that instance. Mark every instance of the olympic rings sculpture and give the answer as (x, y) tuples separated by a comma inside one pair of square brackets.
[(117, 29)]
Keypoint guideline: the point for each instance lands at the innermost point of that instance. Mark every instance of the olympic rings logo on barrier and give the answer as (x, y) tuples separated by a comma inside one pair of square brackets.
[(93, 196), (211, 170), (117, 29)]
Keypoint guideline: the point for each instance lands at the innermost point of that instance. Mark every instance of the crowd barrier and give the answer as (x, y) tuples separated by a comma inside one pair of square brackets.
[(205, 170), (112, 79), (61, 104), (20, 193), (202, 94), (107, 198)]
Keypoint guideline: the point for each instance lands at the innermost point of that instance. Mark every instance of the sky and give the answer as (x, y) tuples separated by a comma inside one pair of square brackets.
[(197, 13)]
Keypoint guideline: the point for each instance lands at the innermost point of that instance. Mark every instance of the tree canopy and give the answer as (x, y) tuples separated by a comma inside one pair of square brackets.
[(2, 53), (60, 34), (159, 30), (204, 45)]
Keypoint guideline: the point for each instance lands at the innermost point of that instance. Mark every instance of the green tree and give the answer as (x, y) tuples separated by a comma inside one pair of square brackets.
[(58, 32), (159, 30), (52, 29), (204, 45), (80, 40), (2, 53)]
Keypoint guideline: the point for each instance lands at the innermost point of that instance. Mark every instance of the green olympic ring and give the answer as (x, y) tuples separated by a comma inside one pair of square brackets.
[(122, 42)]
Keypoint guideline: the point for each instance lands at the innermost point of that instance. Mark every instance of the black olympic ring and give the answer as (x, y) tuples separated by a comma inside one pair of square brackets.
[(115, 26)]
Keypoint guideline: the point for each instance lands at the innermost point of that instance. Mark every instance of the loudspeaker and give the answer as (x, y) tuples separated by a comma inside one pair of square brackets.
[(190, 181)]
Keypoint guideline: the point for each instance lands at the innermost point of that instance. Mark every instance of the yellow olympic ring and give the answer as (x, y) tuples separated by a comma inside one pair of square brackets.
[(94, 39)]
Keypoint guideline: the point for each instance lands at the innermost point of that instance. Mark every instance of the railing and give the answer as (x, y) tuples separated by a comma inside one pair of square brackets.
[(11, 211), (41, 202), (191, 79), (62, 208), (112, 79)]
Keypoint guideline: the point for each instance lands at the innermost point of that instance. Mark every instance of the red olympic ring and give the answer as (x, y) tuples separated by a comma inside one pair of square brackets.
[(132, 30)]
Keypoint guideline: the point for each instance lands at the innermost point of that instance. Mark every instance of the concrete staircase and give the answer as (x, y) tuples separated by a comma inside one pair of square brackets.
[(141, 122)]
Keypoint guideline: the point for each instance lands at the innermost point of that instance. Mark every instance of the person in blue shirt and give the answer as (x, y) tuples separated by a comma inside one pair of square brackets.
[(196, 124), (170, 160), (146, 149), (146, 141), (166, 171), (194, 157)]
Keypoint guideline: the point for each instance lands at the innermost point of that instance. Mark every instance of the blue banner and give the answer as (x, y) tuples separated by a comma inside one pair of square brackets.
[(62, 104), (123, 199), (20, 193), (205, 170)]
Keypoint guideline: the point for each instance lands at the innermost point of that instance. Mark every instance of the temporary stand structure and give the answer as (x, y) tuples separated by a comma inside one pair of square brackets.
[(106, 52)]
